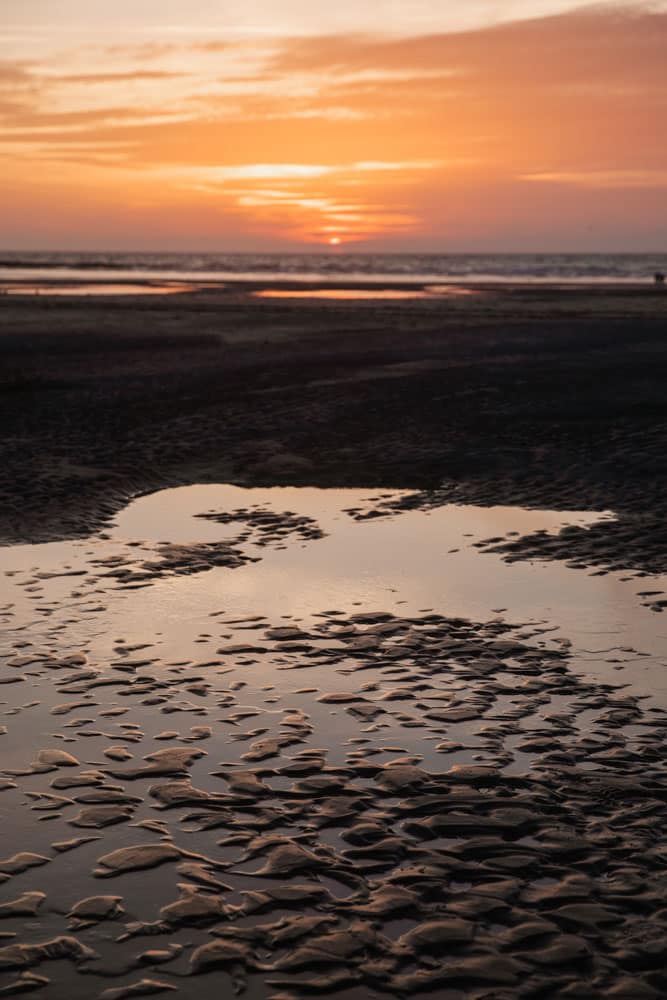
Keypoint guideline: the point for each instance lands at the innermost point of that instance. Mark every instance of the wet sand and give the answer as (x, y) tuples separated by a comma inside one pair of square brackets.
[(359, 799), (533, 396), (354, 801)]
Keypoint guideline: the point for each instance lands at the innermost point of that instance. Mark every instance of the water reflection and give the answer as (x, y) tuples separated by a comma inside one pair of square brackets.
[(98, 288), (428, 292), (340, 293), (405, 563)]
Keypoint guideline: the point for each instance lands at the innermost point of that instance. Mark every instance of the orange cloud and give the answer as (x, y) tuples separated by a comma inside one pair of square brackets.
[(120, 77), (517, 135)]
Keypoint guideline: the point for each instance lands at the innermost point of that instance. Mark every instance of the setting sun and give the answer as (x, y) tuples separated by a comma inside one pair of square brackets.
[(334, 241)]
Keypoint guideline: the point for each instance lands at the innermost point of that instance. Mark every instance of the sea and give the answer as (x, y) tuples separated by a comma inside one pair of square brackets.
[(333, 266)]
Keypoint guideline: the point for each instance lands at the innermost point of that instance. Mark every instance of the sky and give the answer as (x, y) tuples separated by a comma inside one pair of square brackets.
[(384, 125)]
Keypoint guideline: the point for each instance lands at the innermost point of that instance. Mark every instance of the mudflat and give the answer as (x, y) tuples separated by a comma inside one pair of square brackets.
[(542, 396), (359, 742)]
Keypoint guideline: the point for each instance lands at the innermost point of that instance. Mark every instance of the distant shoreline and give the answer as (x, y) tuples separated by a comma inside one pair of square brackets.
[(341, 269)]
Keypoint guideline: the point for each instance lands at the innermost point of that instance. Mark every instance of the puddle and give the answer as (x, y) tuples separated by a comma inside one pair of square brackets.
[(152, 287), (430, 291), (339, 293), (102, 288), (404, 563)]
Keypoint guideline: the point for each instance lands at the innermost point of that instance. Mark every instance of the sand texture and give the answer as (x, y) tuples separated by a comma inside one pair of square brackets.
[(285, 744), (550, 398)]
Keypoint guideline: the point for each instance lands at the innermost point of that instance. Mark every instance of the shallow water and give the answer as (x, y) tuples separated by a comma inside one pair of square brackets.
[(342, 294), (97, 288), (408, 562), (336, 265), (355, 294), (275, 632)]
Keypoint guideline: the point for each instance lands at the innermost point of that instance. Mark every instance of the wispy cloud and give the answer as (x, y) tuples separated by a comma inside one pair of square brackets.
[(112, 78), (597, 179), (259, 172), (366, 134), (298, 171)]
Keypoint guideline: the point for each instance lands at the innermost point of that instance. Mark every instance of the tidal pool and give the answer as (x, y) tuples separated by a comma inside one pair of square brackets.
[(398, 562), (306, 743)]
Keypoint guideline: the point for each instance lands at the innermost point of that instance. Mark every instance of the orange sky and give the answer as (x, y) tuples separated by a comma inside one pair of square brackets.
[(269, 125)]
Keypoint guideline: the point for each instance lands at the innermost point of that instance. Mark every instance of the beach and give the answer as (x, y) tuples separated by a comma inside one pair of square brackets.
[(332, 656), (333, 500), (544, 397)]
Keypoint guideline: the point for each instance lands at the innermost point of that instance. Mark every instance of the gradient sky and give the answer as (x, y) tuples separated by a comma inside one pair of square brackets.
[(295, 124)]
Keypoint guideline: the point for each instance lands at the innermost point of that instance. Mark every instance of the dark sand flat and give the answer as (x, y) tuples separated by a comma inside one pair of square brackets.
[(549, 397)]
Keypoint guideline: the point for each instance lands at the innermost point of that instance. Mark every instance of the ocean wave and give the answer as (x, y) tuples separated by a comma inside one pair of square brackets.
[(455, 267)]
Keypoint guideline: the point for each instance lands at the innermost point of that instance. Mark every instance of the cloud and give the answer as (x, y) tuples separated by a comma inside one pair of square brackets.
[(14, 73), (263, 171), (367, 133), (299, 171), (581, 45), (141, 52), (118, 77), (598, 179)]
